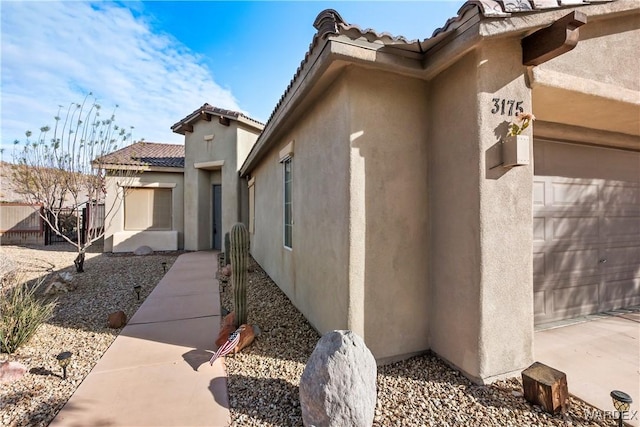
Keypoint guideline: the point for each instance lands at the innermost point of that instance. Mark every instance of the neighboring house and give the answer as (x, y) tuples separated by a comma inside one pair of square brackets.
[(181, 196), (145, 202), (216, 143), (380, 201)]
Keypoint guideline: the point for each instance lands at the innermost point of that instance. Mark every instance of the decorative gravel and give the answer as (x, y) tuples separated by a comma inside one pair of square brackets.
[(421, 391), (79, 323), (263, 378)]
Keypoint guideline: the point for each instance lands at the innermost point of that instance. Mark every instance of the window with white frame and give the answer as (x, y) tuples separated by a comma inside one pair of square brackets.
[(147, 208), (288, 217)]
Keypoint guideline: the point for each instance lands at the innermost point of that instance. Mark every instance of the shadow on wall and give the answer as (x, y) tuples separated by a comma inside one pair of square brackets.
[(493, 155)]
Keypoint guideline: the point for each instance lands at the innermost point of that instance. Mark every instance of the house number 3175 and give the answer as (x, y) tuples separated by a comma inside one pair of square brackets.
[(506, 106)]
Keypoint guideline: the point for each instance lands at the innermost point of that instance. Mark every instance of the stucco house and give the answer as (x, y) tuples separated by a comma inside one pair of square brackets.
[(181, 196), (384, 198)]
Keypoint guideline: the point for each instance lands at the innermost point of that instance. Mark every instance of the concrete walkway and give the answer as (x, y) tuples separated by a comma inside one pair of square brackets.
[(156, 372), (598, 355)]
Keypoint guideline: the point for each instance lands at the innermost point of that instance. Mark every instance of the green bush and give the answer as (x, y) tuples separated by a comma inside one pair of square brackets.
[(21, 312)]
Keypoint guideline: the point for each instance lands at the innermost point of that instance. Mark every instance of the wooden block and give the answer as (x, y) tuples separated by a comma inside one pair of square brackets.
[(546, 387)]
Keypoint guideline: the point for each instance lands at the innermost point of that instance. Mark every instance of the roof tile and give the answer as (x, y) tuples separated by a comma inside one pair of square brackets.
[(146, 154), (207, 108)]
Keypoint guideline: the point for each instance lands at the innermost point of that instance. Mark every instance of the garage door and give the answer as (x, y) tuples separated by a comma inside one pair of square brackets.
[(586, 230)]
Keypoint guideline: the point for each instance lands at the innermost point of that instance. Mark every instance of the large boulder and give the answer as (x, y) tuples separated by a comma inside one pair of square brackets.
[(338, 385)]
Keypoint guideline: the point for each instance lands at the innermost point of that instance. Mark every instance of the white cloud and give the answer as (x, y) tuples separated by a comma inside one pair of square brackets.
[(55, 53)]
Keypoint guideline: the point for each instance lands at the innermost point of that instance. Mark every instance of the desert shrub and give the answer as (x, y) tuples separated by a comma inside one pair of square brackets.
[(21, 311)]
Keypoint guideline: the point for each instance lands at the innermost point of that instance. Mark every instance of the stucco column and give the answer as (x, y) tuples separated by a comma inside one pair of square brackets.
[(505, 216), (481, 311)]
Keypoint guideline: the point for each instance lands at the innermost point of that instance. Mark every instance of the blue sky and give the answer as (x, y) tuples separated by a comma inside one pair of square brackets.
[(161, 60)]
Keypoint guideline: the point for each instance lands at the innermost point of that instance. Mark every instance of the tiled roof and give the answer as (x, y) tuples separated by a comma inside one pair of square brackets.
[(329, 22), (149, 154), (206, 108)]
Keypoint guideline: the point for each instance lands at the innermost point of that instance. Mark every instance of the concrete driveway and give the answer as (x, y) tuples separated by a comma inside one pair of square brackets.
[(599, 353)]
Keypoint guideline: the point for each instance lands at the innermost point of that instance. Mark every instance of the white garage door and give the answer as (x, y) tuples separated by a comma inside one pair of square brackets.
[(586, 230)]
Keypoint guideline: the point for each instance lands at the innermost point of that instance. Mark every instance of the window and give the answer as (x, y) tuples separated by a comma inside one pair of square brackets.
[(147, 209), (288, 218)]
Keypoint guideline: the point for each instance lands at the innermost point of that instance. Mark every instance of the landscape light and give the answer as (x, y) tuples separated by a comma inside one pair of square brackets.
[(137, 288), (63, 360), (622, 402)]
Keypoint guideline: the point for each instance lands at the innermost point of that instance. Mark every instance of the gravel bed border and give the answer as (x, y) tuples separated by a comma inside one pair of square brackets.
[(79, 323), (263, 379)]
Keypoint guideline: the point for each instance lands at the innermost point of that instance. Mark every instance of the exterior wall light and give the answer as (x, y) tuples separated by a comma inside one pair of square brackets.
[(63, 360), (622, 402)]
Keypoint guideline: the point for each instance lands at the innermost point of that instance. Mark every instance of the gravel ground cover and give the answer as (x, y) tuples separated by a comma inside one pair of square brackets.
[(421, 391), (79, 323), (263, 379)]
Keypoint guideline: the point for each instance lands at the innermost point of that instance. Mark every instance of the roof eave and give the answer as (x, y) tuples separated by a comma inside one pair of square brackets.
[(520, 23), (186, 124), (140, 168), (334, 48), (310, 73)]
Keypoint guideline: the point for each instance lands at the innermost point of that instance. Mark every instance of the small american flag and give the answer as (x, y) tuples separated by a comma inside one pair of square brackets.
[(228, 346)]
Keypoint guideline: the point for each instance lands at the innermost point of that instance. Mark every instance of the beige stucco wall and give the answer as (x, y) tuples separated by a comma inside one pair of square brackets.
[(114, 212), (454, 257), (389, 212), (596, 85), (314, 274), (360, 213), (230, 144), (505, 219), (439, 233), (480, 254)]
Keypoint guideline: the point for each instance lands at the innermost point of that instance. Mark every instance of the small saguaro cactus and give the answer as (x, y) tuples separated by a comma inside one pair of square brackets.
[(239, 256)]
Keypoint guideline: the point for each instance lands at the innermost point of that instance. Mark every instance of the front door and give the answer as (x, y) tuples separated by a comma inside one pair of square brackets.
[(216, 209)]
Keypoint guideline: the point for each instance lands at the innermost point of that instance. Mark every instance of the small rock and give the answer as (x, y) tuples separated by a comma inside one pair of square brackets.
[(516, 394), (11, 371), (246, 338), (223, 336), (117, 320), (65, 276), (58, 288), (226, 270), (338, 385), (143, 250)]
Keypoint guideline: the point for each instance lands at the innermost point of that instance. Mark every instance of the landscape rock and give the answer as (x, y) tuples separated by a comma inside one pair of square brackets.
[(226, 270), (223, 336), (228, 327), (338, 385), (246, 338), (11, 371), (65, 276), (56, 287), (143, 250), (117, 320)]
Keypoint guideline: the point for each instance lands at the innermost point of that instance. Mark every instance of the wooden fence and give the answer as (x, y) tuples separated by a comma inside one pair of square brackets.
[(20, 223)]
